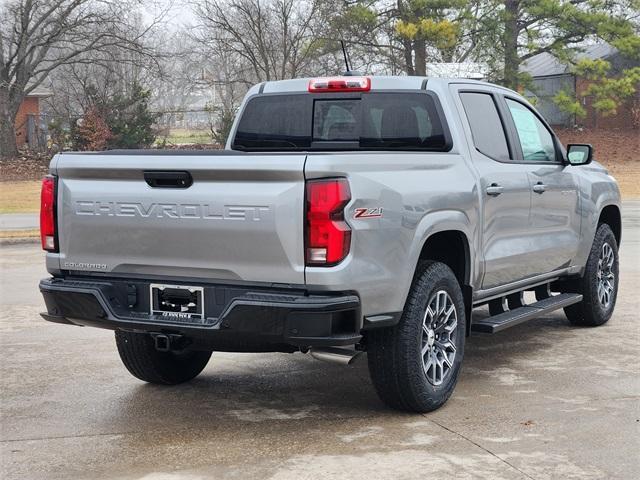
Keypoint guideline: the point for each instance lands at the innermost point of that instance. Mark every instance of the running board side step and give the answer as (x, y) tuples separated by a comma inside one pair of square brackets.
[(520, 315)]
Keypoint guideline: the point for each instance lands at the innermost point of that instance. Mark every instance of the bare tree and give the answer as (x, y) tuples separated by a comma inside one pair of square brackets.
[(182, 77), (227, 77), (38, 37), (276, 39), (243, 42), (98, 78)]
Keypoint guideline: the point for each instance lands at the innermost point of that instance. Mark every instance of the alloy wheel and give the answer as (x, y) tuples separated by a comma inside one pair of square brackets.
[(606, 276), (439, 328)]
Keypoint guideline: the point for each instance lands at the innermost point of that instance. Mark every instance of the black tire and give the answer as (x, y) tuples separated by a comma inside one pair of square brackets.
[(395, 354), (138, 353), (590, 312)]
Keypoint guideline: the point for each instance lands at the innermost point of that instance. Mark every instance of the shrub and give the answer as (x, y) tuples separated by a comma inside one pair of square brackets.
[(91, 132), (130, 120)]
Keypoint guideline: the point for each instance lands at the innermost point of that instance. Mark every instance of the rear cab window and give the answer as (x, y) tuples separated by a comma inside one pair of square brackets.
[(336, 120), (274, 122), (375, 120)]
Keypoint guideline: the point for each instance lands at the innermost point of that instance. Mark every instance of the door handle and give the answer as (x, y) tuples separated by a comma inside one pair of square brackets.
[(494, 189), (168, 179), (539, 187)]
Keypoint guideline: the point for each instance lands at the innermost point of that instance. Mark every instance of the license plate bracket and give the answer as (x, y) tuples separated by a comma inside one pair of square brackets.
[(177, 302)]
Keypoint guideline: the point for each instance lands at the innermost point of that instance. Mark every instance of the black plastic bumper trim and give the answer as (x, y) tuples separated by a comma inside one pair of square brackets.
[(256, 315)]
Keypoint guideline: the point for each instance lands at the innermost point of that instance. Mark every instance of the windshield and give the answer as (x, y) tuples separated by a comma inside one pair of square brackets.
[(377, 120)]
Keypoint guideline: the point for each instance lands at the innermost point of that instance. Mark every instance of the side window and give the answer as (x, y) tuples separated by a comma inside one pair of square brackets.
[(486, 126), (536, 141)]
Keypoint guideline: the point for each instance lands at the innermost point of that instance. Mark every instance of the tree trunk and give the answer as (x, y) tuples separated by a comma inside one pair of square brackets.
[(408, 57), (510, 44), (407, 44), (421, 57), (8, 112)]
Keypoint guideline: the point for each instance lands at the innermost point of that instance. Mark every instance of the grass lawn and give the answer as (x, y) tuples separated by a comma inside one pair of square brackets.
[(20, 197), (179, 136)]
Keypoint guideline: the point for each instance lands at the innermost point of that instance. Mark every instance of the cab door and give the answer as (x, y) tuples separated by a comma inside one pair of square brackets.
[(505, 188), (555, 208)]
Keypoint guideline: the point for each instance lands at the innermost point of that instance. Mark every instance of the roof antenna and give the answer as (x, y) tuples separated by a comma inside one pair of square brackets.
[(347, 62)]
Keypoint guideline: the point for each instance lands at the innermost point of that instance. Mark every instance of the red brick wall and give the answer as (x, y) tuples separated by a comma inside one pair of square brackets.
[(30, 105), (623, 119)]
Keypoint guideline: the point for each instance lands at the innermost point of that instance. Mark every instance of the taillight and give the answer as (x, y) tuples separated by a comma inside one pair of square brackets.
[(328, 235), (340, 84), (48, 214)]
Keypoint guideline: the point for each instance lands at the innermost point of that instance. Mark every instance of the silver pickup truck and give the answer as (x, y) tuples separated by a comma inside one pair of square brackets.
[(345, 215)]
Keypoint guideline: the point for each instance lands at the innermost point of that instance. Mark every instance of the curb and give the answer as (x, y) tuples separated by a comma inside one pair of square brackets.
[(19, 241)]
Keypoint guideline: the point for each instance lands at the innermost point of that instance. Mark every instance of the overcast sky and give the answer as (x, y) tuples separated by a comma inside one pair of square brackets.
[(179, 12)]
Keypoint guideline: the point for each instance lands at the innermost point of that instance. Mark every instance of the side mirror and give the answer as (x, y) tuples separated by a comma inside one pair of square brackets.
[(579, 153)]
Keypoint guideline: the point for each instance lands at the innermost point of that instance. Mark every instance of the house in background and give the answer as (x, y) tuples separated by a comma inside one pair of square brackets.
[(31, 125), (550, 76)]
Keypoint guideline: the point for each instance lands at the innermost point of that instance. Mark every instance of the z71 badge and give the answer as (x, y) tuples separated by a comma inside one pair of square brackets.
[(368, 212)]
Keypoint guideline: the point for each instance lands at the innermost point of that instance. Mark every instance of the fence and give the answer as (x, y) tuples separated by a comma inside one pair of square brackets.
[(37, 131), (194, 119)]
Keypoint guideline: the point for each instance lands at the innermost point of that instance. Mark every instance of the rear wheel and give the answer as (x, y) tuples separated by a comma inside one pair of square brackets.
[(138, 353), (415, 365), (599, 284)]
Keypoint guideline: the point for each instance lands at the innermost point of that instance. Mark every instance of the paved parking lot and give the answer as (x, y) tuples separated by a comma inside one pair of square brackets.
[(539, 401)]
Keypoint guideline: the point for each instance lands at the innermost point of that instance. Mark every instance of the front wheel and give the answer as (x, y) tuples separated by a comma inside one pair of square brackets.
[(599, 284), (414, 366), (138, 353)]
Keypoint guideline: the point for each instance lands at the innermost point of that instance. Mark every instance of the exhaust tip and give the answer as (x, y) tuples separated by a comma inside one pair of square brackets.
[(340, 356)]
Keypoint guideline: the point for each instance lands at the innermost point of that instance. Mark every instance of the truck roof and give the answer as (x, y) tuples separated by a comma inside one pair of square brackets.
[(378, 82)]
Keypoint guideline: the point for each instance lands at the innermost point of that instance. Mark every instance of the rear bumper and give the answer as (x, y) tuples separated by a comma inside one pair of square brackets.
[(236, 318)]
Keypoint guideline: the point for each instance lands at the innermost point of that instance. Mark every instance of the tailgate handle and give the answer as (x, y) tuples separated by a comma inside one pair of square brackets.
[(168, 179)]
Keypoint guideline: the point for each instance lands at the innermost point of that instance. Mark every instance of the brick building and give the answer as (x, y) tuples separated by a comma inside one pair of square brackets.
[(30, 124), (550, 76)]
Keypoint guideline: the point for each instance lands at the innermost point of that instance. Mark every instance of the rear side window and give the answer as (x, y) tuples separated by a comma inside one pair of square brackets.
[(373, 121), (486, 127)]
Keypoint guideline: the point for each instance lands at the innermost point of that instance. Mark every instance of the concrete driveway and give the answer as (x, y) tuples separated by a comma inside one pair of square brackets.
[(539, 401)]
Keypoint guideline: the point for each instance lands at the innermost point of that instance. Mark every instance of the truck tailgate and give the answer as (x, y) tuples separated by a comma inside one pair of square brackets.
[(240, 220)]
